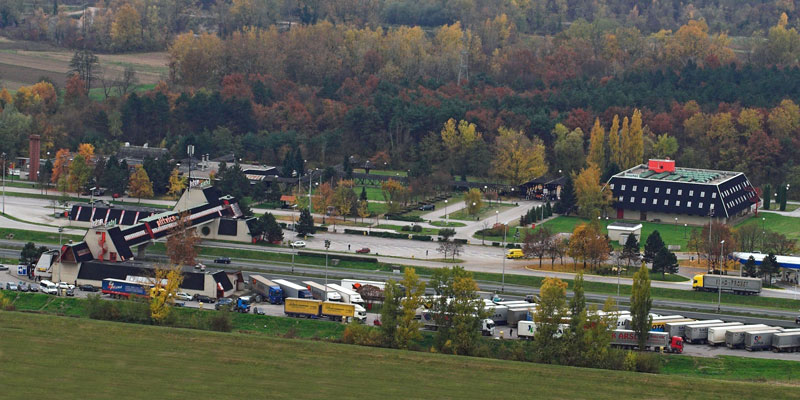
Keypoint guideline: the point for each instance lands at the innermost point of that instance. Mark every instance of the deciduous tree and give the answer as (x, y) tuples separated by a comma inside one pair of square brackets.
[(518, 159), (177, 184), (182, 243), (139, 184), (408, 327), (593, 198), (473, 201), (641, 302), (165, 282)]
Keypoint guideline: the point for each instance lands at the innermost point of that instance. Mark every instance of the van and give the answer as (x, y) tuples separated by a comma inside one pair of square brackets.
[(48, 287), (515, 253)]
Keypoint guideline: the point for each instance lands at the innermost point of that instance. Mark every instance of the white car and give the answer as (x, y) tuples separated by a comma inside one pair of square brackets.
[(183, 296), (298, 244), (65, 285)]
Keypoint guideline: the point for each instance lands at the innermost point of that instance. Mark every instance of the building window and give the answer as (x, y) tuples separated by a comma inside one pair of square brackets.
[(644, 200), (633, 199), (668, 190), (666, 202), (691, 193), (634, 188), (621, 199), (622, 187), (612, 186), (714, 195), (677, 203), (700, 205), (688, 204), (702, 194), (655, 201), (680, 192), (645, 189), (656, 190)]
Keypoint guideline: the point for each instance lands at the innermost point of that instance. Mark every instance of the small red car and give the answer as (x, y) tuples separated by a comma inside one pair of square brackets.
[(363, 250), (116, 195)]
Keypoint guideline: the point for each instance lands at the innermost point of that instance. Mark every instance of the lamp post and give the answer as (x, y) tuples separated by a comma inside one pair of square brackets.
[(446, 217), (719, 280), (496, 217), (676, 223), (502, 252), (4, 183), (327, 246), (684, 231), (619, 253)]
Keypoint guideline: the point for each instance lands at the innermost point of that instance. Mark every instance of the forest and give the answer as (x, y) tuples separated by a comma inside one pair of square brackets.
[(381, 80)]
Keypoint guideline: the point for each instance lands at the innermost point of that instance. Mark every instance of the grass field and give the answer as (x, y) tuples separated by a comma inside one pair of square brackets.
[(101, 360), (486, 211), (399, 229), (670, 233), (732, 368), (37, 237), (789, 207), (788, 226), (444, 224)]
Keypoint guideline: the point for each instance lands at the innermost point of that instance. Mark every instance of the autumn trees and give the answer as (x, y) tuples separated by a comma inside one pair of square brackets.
[(517, 159)]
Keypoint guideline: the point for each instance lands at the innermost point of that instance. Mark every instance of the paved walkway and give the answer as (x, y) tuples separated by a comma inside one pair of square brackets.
[(795, 213)]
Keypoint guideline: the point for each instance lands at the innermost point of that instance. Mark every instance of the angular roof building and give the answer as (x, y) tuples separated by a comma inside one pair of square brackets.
[(659, 191)]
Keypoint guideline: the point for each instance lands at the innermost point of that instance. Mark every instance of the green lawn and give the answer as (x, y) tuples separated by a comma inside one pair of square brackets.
[(169, 363), (444, 224), (382, 172), (97, 94), (37, 237), (437, 206), (789, 207), (788, 226), (670, 233), (732, 368), (373, 193), (486, 211), (399, 229)]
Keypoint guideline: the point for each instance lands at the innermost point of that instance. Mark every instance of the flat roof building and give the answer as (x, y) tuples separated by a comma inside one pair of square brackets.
[(659, 191)]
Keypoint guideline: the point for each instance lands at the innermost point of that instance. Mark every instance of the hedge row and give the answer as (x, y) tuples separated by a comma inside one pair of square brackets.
[(407, 218), (342, 257), (390, 235)]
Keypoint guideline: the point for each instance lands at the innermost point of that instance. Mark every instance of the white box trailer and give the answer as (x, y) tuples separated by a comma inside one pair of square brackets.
[(699, 333), (497, 313), (678, 328), (655, 319), (527, 330), (786, 341), (291, 289), (716, 334), (735, 339), (762, 340), (319, 292), (348, 295), (516, 314), (512, 303), (352, 284)]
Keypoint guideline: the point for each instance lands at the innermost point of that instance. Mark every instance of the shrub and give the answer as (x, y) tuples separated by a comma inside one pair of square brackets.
[(5, 303), (416, 228), (462, 241), (405, 228), (362, 335), (101, 309), (648, 362), (407, 218), (220, 322), (422, 238)]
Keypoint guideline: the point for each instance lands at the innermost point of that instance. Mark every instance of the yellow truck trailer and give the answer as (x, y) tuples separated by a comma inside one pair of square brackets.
[(303, 308), (338, 311)]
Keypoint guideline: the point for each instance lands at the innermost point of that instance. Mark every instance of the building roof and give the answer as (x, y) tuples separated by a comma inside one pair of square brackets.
[(624, 226), (792, 262), (683, 191), (98, 270), (139, 153)]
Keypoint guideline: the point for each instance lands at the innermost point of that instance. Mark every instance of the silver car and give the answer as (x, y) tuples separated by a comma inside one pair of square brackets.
[(11, 286), (33, 287), (22, 286)]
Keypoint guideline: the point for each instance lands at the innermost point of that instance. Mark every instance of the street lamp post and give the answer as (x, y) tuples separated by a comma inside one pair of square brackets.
[(496, 217), (327, 246), (4, 183), (719, 280), (676, 223), (446, 217), (684, 231), (618, 271), (502, 252)]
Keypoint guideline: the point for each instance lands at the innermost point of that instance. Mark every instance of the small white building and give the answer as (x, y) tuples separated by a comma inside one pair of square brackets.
[(619, 231)]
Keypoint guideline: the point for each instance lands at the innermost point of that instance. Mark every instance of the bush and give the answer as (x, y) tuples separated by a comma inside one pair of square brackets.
[(407, 218), (462, 241), (5, 303), (648, 362), (422, 238), (416, 228), (342, 257), (220, 322), (362, 335), (405, 228)]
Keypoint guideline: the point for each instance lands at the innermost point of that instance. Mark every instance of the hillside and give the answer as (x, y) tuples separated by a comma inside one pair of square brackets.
[(84, 358)]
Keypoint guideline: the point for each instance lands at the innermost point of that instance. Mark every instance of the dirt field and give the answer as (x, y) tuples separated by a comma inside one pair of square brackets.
[(23, 63)]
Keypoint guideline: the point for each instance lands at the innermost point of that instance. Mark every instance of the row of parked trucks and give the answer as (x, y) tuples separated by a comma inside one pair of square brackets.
[(314, 300)]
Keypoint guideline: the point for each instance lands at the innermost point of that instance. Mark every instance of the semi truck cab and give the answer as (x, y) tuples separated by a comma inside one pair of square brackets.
[(487, 327), (697, 282), (676, 344)]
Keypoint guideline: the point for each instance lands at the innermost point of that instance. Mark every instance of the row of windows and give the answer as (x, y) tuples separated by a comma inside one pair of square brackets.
[(738, 187), (632, 199), (668, 191)]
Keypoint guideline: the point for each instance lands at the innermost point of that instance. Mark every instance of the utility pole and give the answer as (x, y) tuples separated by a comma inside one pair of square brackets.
[(327, 246), (4, 183), (503, 252), (719, 281)]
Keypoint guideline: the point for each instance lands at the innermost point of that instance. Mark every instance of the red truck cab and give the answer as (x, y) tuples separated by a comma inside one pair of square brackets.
[(676, 344)]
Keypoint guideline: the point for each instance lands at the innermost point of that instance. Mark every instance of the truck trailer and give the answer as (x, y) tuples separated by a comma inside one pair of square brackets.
[(497, 313), (310, 308), (291, 289), (734, 339), (678, 328), (699, 333), (661, 326), (318, 292), (355, 284), (786, 341), (516, 314), (527, 330), (716, 334), (348, 295), (267, 289), (628, 319), (487, 326), (762, 340), (656, 341), (117, 288), (732, 284)]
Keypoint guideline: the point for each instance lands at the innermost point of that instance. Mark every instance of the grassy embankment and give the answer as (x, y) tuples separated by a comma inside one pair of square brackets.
[(161, 362), (486, 211)]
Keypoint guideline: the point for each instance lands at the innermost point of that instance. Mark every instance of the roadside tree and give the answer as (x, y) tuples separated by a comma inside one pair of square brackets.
[(408, 327), (139, 184), (166, 282), (550, 314), (305, 224), (537, 243), (641, 303), (473, 201), (182, 243)]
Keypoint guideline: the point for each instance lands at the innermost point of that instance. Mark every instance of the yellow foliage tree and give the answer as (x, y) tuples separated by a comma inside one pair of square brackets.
[(126, 28), (473, 201), (166, 282), (87, 151), (60, 165), (407, 326), (614, 142), (394, 194), (635, 143), (592, 197), (5, 99), (139, 184), (518, 159), (177, 183), (597, 145)]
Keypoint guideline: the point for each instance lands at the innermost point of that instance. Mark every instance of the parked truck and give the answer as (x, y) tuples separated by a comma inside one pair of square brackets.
[(678, 328), (661, 325), (520, 313), (732, 284), (310, 308), (762, 340), (734, 338), (527, 330), (497, 313), (656, 341), (291, 289), (699, 333), (716, 334), (242, 304), (267, 289), (628, 319), (348, 295), (319, 292), (355, 284), (786, 341), (117, 288), (487, 327)]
